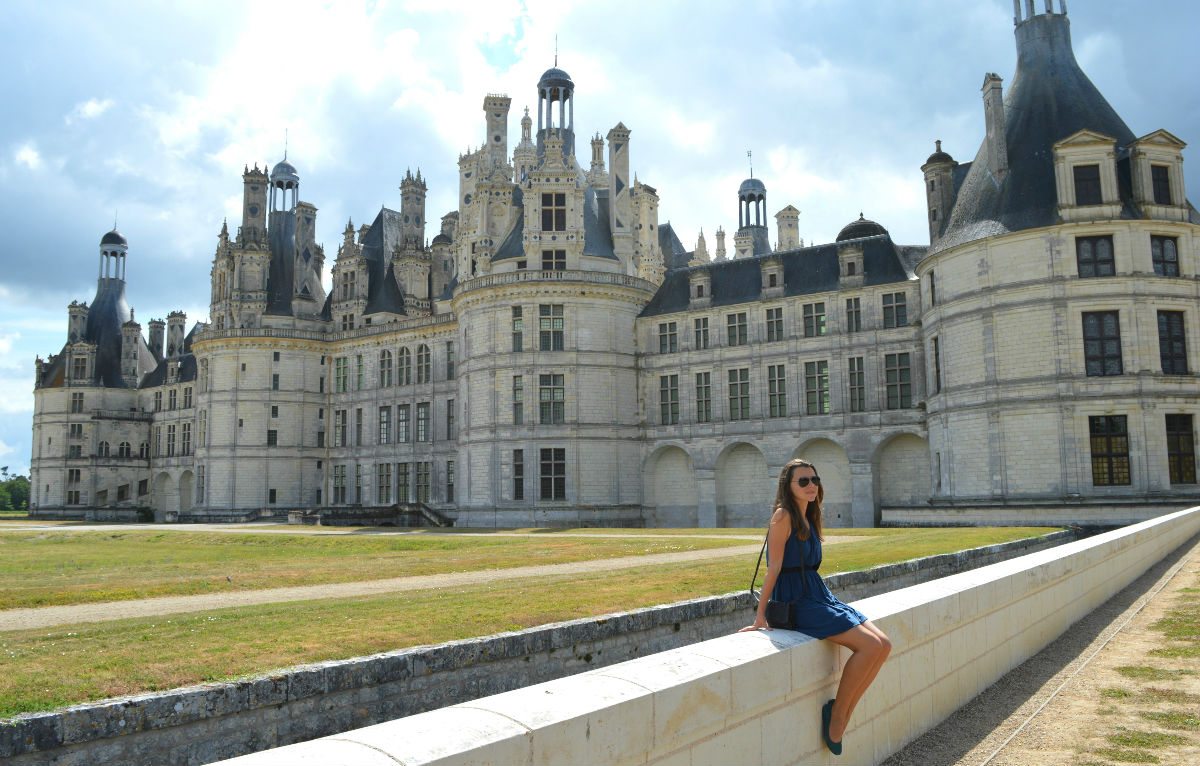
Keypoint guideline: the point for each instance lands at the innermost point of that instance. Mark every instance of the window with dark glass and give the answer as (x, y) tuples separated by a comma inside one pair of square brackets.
[(550, 327), (383, 483), (776, 391), (898, 380), (701, 327), (937, 365), (518, 330), (1181, 449), (518, 475), (423, 431), (668, 399), (1160, 179), (816, 387), (554, 260), (814, 320), (1164, 253), (1102, 343), (735, 327), (853, 315), (552, 404), (739, 394), (554, 211), (553, 473), (774, 324), (1087, 184), (1172, 343), (704, 397), (858, 390), (668, 338), (1110, 450), (424, 364), (895, 310), (1094, 256), (518, 400)]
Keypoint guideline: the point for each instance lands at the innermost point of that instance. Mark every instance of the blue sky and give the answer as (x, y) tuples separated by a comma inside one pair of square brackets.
[(148, 111)]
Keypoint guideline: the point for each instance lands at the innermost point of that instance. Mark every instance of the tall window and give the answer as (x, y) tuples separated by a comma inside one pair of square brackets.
[(186, 439), (1102, 343), (341, 374), (518, 330), (668, 399), (776, 391), (157, 401), (895, 310), (1087, 184), (339, 484), (76, 402), (704, 397), (1094, 256), (385, 368), (170, 441), (551, 399), (385, 425), (422, 482), (518, 399), (701, 327), (1110, 450), (1160, 179), (739, 394), (404, 368), (853, 315), (202, 429), (339, 428), (553, 473), (358, 483), (274, 382), (449, 481), (518, 474), (735, 328), (1172, 343), (550, 327), (79, 368), (402, 420), (449, 419), (937, 365), (402, 482), (1181, 449), (1164, 253), (898, 377), (554, 260), (125, 450), (383, 483), (172, 399), (449, 359), (774, 324), (187, 397), (422, 421), (932, 289), (668, 338), (424, 367), (360, 373), (358, 426), (554, 211), (816, 387), (103, 450), (814, 320)]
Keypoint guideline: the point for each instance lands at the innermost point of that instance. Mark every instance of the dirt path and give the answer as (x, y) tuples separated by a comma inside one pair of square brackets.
[(1069, 705), (48, 616)]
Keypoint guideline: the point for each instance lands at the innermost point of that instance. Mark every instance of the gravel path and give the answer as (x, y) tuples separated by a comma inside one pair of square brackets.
[(1049, 711), (49, 616)]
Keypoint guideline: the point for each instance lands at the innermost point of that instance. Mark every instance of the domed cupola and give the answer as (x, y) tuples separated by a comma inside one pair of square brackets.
[(285, 186), (863, 227), (555, 86), (114, 237), (113, 249)]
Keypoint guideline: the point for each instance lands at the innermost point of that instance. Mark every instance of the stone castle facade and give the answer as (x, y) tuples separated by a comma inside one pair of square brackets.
[(554, 355)]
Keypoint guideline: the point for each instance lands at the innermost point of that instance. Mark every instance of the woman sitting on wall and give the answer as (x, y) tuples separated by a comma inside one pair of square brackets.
[(793, 558)]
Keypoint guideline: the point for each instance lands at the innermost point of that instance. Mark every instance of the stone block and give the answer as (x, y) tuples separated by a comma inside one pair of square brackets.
[(324, 752), (305, 681), (738, 744), (454, 736)]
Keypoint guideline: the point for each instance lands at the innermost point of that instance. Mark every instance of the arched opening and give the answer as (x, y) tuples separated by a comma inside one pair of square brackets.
[(670, 492), (745, 489), (902, 471), (166, 497), (187, 491), (833, 465)]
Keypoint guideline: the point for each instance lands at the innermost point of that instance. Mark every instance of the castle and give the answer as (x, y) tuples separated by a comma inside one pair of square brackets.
[(555, 356)]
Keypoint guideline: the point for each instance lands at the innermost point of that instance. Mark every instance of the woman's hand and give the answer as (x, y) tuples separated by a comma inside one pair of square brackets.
[(760, 623)]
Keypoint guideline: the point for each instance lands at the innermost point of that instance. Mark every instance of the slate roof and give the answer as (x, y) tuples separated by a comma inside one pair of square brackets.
[(674, 254), (806, 270), (597, 238), (1049, 99), (281, 275), (158, 376), (382, 238)]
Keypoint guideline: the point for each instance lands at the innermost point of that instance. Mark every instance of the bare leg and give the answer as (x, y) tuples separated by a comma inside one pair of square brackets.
[(870, 648)]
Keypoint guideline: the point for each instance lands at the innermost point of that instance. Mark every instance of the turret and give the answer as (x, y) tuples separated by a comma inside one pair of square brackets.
[(720, 244), (254, 207), (131, 336), (495, 106), (77, 315), (787, 222), (525, 155), (939, 190), (157, 326), (175, 327), (620, 212), (993, 112), (597, 176), (700, 254), (412, 210)]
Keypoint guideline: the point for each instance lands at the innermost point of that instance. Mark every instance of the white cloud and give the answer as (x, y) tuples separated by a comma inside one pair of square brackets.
[(27, 155), (6, 342), (88, 110), (6, 450), (16, 394)]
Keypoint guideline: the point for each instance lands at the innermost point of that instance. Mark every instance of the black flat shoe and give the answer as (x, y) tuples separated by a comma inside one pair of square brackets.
[(826, 718)]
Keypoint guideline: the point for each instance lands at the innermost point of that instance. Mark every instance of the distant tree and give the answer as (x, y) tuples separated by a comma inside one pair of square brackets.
[(18, 492), (5, 497)]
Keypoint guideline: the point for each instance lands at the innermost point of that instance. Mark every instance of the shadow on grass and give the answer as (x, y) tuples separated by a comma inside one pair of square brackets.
[(971, 724)]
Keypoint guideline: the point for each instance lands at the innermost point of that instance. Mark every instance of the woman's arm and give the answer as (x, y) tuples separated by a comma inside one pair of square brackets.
[(777, 535)]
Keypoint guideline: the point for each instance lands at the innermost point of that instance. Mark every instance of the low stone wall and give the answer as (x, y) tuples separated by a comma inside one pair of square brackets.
[(756, 697), (201, 724), (1060, 511)]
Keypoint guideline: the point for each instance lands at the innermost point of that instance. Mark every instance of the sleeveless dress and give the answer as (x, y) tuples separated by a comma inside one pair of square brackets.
[(819, 613)]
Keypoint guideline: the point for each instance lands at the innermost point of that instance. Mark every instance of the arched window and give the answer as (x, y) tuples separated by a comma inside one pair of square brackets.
[(102, 450), (144, 451), (404, 373), (124, 450), (385, 368), (423, 365)]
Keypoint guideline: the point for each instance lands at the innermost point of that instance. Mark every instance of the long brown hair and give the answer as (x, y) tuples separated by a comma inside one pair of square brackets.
[(785, 501)]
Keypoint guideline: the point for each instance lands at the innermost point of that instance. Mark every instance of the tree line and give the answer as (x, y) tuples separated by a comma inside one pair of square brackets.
[(14, 491)]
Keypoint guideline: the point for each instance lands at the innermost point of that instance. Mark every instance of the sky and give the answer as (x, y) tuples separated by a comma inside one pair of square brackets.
[(146, 113)]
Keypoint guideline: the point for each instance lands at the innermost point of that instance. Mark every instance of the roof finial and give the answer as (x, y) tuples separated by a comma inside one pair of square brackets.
[(285, 144), (556, 50), (114, 220), (750, 159)]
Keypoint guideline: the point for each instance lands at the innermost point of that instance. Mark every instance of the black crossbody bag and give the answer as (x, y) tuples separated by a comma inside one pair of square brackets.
[(780, 614)]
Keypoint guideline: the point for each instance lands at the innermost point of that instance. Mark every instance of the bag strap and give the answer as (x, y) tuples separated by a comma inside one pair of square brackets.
[(756, 596)]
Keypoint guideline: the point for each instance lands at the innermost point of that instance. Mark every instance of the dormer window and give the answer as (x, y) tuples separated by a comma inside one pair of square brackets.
[(1087, 185), (772, 280), (851, 268), (1160, 179), (699, 291)]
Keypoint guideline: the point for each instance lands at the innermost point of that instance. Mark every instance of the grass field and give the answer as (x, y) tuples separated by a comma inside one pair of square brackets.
[(45, 669)]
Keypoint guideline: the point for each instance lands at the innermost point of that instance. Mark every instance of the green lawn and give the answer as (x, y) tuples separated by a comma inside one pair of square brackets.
[(45, 669)]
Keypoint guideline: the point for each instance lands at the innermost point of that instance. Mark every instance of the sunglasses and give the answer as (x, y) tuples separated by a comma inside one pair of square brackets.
[(804, 480)]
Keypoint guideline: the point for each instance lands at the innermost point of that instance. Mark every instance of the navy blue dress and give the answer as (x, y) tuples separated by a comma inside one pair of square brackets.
[(819, 613)]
